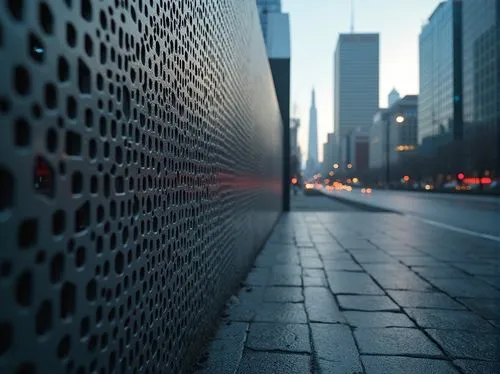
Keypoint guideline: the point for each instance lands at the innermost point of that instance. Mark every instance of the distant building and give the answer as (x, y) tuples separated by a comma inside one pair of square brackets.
[(356, 90), (378, 139), (393, 97), (397, 124), (440, 97), (312, 150), (328, 155)]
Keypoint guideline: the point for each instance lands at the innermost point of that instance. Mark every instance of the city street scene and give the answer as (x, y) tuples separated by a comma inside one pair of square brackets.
[(250, 187)]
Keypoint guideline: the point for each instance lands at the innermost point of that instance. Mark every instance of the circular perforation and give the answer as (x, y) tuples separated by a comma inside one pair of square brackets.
[(140, 171)]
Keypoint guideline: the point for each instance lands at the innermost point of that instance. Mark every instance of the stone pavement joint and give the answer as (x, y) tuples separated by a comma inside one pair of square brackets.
[(348, 293)]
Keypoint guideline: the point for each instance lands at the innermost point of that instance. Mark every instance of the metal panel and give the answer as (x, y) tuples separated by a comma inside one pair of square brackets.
[(140, 172)]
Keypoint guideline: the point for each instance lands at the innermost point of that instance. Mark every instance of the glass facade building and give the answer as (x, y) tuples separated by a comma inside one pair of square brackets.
[(481, 65), (440, 109), (265, 7)]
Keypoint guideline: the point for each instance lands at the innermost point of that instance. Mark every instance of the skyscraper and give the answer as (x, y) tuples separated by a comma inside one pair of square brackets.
[(266, 9), (481, 65), (440, 98), (356, 89), (312, 151), (276, 32)]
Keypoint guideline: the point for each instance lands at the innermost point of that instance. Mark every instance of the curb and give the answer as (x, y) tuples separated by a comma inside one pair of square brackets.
[(360, 205)]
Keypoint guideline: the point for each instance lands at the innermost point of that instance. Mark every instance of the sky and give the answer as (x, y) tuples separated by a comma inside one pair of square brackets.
[(314, 28)]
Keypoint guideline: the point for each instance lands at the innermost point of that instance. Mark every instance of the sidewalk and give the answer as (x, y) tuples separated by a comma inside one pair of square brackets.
[(357, 292)]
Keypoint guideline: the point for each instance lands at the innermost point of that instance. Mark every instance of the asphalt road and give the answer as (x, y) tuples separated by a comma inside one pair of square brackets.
[(479, 214)]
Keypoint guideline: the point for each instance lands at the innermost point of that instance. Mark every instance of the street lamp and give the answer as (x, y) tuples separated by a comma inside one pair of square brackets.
[(336, 166), (400, 119), (349, 166)]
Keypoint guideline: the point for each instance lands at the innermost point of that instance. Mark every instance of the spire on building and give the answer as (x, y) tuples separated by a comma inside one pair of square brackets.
[(393, 97), (312, 154), (352, 16)]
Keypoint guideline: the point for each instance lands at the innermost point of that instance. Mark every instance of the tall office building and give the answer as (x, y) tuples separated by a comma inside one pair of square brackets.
[(312, 150), (356, 90), (276, 32), (266, 10), (481, 65), (440, 98)]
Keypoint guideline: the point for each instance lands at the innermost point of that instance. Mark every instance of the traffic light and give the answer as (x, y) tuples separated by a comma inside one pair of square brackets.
[(460, 177)]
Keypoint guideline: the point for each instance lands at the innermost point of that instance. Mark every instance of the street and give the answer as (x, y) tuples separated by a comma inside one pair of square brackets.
[(477, 214)]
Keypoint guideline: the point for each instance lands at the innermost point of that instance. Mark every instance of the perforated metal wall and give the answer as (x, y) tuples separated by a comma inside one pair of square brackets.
[(140, 171)]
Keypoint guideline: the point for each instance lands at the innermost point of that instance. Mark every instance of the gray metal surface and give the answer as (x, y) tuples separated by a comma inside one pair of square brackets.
[(140, 172)]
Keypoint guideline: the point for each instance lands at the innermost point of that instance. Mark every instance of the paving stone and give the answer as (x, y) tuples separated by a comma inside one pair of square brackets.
[(415, 299), (246, 305), (476, 268), (281, 279), (493, 281), (430, 272), (356, 244), (310, 262), (308, 253), (279, 336), (377, 319), (321, 305), (406, 280), (286, 269), (343, 282), (478, 367), (381, 269), (258, 277), (373, 257), (367, 303), (284, 258), (335, 348), (314, 281), (281, 312), (468, 344), (339, 367), (406, 365), (283, 294), (395, 341), (276, 363), (470, 287), (346, 265), (421, 260), (486, 308), (322, 239), (226, 349), (327, 255), (448, 319), (314, 273)]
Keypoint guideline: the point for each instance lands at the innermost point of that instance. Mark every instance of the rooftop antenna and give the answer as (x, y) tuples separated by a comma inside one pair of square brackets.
[(352, 16)]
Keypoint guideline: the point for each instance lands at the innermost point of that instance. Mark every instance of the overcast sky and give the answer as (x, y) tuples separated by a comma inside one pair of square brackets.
[(315, 25)]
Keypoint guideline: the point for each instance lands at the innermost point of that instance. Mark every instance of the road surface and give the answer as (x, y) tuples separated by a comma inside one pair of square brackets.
[(478, 214)]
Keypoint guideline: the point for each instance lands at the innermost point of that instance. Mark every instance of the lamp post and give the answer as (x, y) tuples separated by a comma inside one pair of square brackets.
[(400, 119), (387, 149)]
